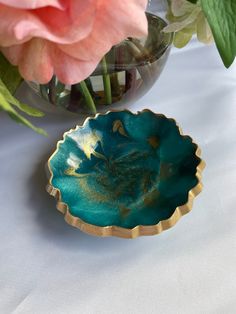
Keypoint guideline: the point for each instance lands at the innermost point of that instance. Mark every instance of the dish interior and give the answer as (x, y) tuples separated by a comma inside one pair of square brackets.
[(124, 169)]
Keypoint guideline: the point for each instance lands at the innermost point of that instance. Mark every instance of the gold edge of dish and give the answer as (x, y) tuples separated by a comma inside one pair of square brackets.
[(121, 232)]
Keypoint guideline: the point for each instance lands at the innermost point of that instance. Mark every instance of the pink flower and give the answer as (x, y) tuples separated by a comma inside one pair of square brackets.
[(65, 37)]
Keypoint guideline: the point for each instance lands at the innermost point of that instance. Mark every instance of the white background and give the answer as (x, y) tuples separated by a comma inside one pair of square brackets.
[(48, 267)]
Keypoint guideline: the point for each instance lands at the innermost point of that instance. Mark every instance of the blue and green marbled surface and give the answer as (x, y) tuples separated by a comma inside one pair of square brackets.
[(124, 169)]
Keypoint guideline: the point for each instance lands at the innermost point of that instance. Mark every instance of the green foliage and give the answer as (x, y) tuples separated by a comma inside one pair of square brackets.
[(10, 79), (9, 74), (7, 103), (207, 19), (221, 16)]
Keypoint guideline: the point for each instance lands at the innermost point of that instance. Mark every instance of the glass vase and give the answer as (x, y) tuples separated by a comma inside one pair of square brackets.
[(124, 74)]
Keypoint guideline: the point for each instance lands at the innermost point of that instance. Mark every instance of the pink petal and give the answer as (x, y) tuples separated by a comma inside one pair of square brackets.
[(13, 53), (61, 26), (33, 4), (70, 70), (128, 20), (33, 59), (68, 42), (39, 59)]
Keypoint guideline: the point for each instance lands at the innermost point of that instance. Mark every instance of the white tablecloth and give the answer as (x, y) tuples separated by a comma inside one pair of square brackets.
[(48, 267)]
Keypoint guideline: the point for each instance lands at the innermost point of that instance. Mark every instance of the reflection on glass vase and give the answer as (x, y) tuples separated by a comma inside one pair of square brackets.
[(125, 74)]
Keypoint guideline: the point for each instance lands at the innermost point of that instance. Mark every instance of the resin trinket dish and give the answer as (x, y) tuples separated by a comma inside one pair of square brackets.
[(124, 174)]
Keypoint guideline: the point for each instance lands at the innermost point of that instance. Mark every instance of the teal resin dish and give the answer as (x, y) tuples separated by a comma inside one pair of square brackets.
[(125, 174)]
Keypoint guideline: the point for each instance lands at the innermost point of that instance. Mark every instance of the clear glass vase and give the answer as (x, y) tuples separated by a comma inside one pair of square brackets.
[(124, 74)]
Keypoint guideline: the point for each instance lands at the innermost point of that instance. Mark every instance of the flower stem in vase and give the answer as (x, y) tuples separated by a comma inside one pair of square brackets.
[(140, 54), (142, 49), (115, 85), (106, 82), (91, 90), (116, 88), (87, 97), (130, 80), (75, 98), (44, 91), (52, 93)]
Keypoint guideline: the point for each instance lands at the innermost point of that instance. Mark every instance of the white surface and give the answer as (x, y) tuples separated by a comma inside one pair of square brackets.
[(48, 267)]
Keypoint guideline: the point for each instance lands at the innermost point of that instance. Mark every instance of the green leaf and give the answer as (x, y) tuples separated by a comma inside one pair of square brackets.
[(30, 111), (221, 16), (9, 74), (23, 107), (5, 104), (9, 81)]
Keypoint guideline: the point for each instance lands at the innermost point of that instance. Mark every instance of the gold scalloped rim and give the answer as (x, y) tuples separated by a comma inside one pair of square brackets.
[(116, 231)]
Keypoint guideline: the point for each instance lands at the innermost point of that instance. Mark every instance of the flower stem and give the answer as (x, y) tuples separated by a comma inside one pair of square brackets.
[(76, 98), (140, 54), (106, 82), (52, 91), (115, 85), (130, 80), (87, 96)]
